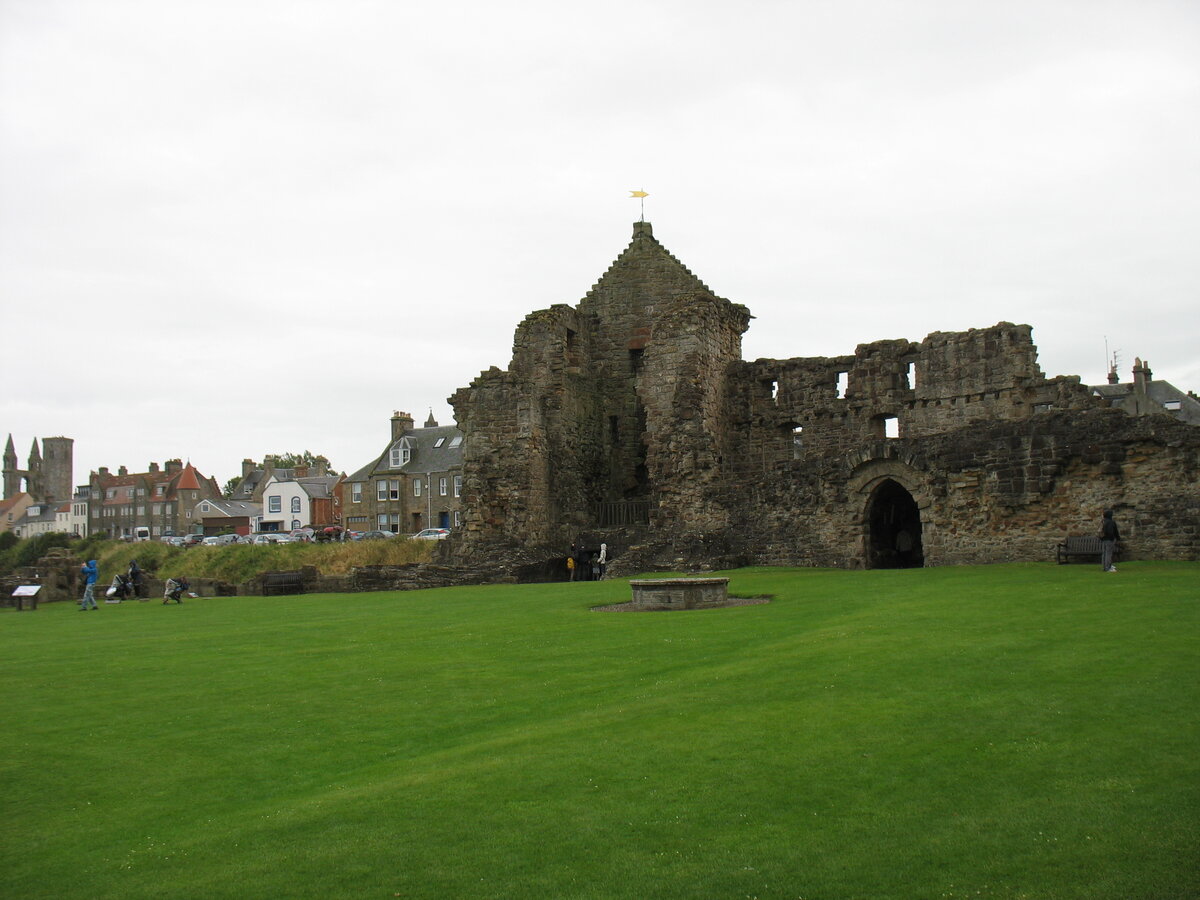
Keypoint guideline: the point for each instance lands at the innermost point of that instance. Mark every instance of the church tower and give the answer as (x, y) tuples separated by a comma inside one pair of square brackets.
[(58, 464), (12, 475)]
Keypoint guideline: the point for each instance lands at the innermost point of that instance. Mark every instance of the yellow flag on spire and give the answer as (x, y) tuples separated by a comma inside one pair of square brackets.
[(638, 194)]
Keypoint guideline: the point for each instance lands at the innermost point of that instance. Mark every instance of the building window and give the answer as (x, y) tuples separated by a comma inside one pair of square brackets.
[(438, 442), (442, 486), (455, 442), (295, 524), (295, 505), (204, 507), (381, 521), (457, 485), (394, 490), (401, 454), (356, 493), (457, 518), (416, 487), (381, 489), (274, 503), (843, 384), (1173, 405)]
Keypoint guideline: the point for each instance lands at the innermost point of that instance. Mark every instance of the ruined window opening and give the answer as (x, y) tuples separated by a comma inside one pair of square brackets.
[(797, 441), (572, 349), (635, 361), (614, 430), (886, 427), (772, 389), (843, 382), (910, 375), (1042, 407)]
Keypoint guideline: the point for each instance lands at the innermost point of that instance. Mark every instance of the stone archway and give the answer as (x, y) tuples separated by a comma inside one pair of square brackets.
[(893, 528)]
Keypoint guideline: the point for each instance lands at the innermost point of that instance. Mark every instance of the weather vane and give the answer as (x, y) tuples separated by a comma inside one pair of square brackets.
[(641, 195)]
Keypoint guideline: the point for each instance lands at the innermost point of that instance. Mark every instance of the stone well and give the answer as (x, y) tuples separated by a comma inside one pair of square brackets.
[(680, 593)]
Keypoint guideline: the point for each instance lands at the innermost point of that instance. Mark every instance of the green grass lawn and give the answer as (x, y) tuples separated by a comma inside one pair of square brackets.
[(1026, 731)]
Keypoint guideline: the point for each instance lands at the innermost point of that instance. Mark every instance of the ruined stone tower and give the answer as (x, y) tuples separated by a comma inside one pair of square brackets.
[(48, 475), (603, 405)]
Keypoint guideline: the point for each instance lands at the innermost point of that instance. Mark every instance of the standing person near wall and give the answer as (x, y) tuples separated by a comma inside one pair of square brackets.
[(1109, 535), (571, 564), (135, 579), (603, 559), (90, 572)]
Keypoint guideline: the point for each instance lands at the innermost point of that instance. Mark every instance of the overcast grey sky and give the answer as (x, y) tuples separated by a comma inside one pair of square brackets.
[(236, 228)]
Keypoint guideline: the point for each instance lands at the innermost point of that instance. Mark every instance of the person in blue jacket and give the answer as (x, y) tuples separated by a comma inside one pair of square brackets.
[(90, 573)]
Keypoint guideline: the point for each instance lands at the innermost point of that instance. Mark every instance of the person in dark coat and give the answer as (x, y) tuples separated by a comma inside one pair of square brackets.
[(1109, 535), (135, 578)]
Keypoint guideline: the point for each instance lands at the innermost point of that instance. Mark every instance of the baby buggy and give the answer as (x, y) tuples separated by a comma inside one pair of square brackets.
[(120, 589), (175, 589)]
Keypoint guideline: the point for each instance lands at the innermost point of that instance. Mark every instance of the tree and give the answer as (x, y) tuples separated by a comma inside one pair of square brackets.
[(282, 461), (291, 460)]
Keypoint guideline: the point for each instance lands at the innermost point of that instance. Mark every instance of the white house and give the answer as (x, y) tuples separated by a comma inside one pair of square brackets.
[(288, 504)]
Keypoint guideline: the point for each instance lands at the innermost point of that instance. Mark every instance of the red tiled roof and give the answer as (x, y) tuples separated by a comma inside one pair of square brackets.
[(188, 480)]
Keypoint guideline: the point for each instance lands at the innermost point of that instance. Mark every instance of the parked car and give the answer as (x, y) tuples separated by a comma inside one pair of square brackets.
[(302, 534), (432, 534), (191, 540), (376, 535), (175, 540)]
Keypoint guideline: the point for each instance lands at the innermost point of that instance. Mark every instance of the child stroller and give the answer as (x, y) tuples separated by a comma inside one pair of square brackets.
[(120, 589), (175, 590)]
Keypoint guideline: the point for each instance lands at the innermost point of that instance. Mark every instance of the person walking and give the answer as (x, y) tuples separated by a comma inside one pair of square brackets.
[(90, 572), (1109, 535)]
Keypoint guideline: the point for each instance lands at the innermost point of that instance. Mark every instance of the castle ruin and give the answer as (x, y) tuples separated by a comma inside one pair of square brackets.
[(631, 418)]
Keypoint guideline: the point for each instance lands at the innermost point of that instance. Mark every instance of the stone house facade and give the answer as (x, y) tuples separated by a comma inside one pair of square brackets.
[(414, 483), (631, 418), (159, 500)]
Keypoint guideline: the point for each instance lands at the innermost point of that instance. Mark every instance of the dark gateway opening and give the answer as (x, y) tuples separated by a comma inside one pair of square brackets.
[(893, 529)]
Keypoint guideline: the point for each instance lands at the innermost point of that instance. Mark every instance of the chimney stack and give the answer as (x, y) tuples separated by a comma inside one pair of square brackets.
[(401, 422)]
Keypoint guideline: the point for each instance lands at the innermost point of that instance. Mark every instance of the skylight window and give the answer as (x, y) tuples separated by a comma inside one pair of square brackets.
[(456, 442), (438, 442)]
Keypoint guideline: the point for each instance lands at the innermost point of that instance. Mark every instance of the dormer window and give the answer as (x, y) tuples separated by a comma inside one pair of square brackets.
[(401, 453)]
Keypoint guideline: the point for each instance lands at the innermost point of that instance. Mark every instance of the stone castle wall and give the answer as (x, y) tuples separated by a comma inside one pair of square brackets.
[(640, 394)]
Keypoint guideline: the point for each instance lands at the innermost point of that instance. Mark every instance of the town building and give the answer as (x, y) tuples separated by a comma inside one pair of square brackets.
[(297, 501), (12, 509), (221, 516), (131, 505), (413, 484), (1144, 395)]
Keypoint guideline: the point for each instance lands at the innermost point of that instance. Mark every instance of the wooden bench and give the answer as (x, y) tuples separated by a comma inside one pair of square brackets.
[(282, 583), (1081, 547)]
